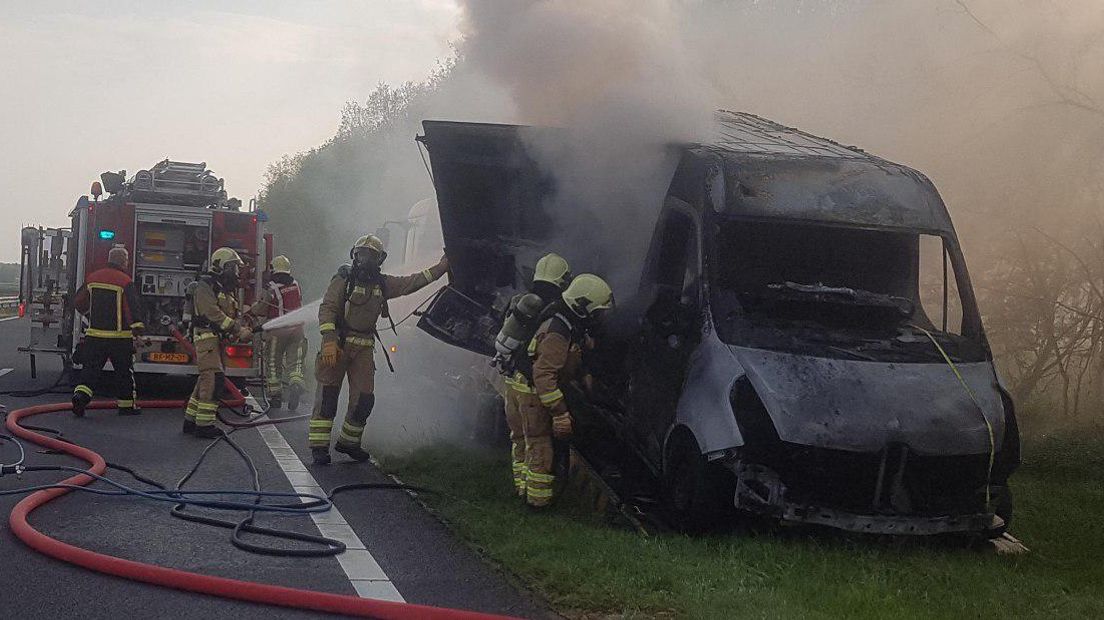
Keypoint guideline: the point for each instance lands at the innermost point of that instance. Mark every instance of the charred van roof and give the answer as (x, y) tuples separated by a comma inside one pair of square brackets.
[(774, 171)]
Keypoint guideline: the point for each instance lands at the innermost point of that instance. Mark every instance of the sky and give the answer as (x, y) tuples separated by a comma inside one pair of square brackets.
[(111, 85)]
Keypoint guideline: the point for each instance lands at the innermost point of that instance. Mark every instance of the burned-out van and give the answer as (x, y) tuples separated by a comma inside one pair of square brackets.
[(803, 342)]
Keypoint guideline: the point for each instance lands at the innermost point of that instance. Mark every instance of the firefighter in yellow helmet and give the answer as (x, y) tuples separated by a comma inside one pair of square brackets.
[(555, 355), (215, 318), (550, 277), (354, 301), (285, 349)]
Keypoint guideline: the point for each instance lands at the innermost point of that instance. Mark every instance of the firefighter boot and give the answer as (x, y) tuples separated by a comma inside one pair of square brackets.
[(207, 432), (293, 397), (189, 427), (275, 402), (320, 456), (80, 402), (357, 453), (131, 410)]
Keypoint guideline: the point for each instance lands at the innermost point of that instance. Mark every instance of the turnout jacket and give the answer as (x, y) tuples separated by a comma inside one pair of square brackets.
[(557, 357), (215, 312), (282, 295), (110, 301), (350, 309)]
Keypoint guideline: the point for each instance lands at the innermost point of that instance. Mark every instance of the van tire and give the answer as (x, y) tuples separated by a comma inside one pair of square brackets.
[(693, 491)]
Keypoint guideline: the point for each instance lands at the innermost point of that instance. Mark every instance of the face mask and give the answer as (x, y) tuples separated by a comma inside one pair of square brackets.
[(229, 276), (366, 264)]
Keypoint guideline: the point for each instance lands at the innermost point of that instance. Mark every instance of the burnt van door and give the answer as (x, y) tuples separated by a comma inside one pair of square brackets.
[(670, 328)]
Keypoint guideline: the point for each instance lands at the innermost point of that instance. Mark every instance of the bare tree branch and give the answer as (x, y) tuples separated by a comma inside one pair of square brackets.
[(1082, 100)]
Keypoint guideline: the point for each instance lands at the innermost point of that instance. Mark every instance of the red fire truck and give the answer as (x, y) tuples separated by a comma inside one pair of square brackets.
[(170, 217)]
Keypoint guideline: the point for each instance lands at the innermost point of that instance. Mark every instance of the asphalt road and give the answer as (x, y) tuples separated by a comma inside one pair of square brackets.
[(423, 561)]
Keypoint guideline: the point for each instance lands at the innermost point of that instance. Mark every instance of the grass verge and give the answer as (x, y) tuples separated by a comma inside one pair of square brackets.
[(586, 568)]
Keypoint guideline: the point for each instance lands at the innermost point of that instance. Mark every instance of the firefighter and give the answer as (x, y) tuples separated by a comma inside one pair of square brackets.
[(555, 353), (285, 349), (215, 318), (354, 301), (550, 278), (111, 303)]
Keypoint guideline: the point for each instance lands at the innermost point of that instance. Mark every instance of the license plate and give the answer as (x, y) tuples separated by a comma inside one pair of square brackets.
[(168, 358)]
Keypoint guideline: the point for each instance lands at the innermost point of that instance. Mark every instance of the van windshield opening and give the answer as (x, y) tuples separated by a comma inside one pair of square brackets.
[(826, 290)]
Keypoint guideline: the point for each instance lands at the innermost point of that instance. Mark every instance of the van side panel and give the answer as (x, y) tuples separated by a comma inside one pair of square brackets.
[(705, 405)]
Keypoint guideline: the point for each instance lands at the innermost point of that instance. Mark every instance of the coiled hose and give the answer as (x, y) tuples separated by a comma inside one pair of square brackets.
[(170, 577)]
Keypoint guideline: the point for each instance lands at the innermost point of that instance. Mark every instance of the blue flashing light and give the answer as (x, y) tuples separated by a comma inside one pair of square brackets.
[(107, 234)]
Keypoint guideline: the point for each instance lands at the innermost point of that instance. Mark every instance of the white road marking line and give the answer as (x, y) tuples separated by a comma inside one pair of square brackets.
[(10, 318), (364, 573), (5, 371)]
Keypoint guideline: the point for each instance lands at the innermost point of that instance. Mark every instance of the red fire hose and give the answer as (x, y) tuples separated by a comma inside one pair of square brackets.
[(170, 577)]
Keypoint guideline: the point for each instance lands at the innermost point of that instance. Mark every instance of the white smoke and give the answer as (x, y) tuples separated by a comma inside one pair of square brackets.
[(618, 77)]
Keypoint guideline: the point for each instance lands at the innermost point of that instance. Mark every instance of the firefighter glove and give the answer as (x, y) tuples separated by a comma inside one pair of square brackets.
[(562, 426), (244, 333), (328, 357)]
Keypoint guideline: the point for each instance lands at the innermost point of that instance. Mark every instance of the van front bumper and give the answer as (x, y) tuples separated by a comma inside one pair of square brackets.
[(891, 524), (761, 491)]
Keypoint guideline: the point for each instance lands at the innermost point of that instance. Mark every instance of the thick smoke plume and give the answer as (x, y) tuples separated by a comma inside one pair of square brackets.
[(619, 79)]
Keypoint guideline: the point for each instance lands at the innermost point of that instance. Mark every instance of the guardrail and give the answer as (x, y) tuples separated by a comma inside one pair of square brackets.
[(9, 302)]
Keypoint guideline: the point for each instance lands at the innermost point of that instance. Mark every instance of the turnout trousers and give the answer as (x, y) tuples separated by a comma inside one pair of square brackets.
[(513, 397), (204, 402), (284, 356), (356, 362), (96, 352), (539, 456)]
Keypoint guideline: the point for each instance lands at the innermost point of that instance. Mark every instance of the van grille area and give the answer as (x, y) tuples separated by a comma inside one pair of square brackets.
[(892, 481)]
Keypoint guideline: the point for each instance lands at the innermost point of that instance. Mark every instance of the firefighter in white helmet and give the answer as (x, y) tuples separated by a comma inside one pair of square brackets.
[(555, 357), (550, 277), (215, 318), (354, 301), (285, 348)]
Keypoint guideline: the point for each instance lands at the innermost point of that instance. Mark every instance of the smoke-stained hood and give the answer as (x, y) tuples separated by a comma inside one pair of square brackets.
[(862, 406), (492, 198)]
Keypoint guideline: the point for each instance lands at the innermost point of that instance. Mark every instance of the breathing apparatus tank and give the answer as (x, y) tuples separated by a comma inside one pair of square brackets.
[(521, 323)]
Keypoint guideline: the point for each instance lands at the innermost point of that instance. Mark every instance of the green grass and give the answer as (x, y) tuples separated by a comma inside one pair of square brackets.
[(585, 567)]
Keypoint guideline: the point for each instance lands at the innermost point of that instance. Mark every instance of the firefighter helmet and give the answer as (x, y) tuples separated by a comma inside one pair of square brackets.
[(371, 245), (588, 295), (552, 268), (222, 257), (118, 256), (371, 242), (281, 264)]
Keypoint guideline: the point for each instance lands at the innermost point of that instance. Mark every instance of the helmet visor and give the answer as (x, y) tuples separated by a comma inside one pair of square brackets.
[(367, 256)]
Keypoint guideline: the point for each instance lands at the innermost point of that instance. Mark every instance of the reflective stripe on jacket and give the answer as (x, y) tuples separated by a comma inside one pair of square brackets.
[(111, 302)]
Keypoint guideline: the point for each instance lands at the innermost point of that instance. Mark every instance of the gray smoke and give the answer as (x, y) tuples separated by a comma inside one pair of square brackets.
[(1000, 103), (620, 80)]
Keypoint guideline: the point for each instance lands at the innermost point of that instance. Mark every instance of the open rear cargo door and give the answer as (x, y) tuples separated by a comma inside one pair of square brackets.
[(493, 201)]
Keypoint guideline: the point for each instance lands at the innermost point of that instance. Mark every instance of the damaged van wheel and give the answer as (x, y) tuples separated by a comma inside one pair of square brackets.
[(694, 491)]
